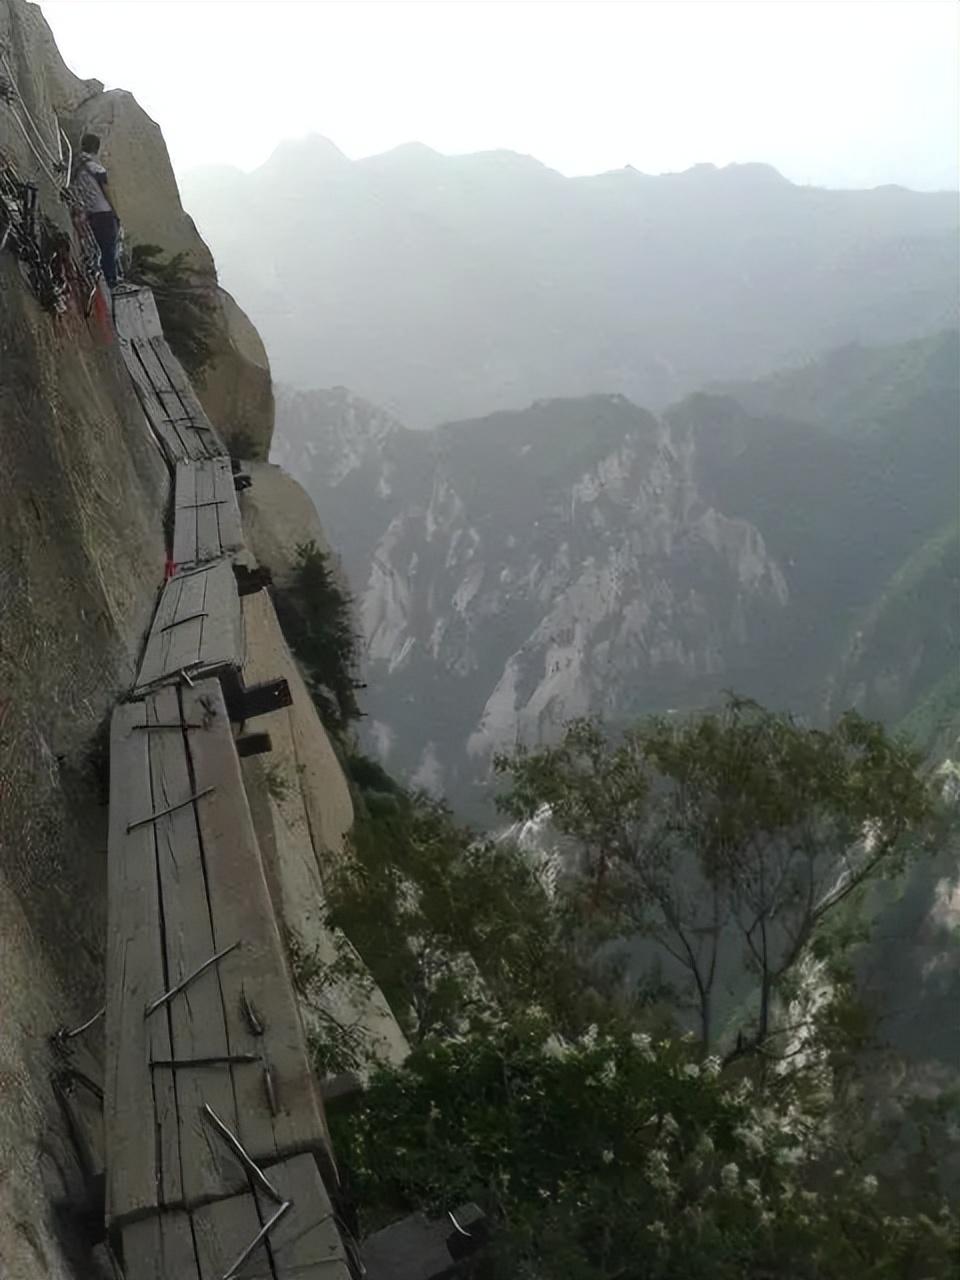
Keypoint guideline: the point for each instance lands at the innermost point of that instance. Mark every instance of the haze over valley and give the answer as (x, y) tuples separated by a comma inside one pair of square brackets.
[(479, 639)]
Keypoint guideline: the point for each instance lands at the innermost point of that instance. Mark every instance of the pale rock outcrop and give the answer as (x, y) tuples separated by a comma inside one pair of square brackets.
[(526, 569), (278, 516), (235, 390), (303, 812), (83, 493)]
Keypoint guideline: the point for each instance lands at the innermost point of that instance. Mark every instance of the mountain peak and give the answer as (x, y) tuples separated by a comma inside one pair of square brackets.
[(408, 155), (312, 152)]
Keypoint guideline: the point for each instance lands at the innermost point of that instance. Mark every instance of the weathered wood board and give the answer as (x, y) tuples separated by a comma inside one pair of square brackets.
[(304, 1244), (206, 518), (198, 626), (186, 884), (177, 379), (137, 1107), (169, 401), (280, 1114)]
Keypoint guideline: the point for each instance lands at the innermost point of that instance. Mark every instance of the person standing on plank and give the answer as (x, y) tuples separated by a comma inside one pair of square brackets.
[(89, 185)]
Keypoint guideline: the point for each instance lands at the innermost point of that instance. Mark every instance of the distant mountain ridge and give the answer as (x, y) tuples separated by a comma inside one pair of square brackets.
[(587, 557), (446, 287)]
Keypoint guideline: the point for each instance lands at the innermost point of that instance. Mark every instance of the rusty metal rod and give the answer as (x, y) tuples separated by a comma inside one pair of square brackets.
[(185, 982), (246, 1160), (260, 1236), (162, 813)]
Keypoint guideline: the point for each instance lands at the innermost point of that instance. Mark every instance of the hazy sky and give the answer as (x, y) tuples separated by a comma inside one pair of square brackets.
[(839, 92)]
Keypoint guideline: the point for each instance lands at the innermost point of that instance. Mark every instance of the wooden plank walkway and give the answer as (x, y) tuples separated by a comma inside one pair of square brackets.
[(200, 1010), (206, 517), (203, 1244), (169, 401), (198, 626)]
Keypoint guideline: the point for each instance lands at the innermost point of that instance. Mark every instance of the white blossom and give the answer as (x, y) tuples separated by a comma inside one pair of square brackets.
[(711, 1067), (607, 1156), (705, 1145), (642, 1042), (608, 1072), (692, 1070), (869, 1185), (750, 1137), (658, 1171), (730, 1176), (669, 1125)]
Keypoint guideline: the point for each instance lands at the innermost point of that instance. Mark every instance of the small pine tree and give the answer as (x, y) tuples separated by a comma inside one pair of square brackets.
[(316, 615), (183, 296)]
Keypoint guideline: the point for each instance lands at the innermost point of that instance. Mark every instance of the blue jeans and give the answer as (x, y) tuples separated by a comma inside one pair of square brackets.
[(105, 228)]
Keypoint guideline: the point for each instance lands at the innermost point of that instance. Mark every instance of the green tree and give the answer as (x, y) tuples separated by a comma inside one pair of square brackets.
[(458, 930), (316, 614), (729, 841), (184, 298), (615, 1156)]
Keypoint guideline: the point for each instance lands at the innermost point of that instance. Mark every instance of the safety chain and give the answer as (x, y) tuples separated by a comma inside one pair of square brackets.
[(44, 249)]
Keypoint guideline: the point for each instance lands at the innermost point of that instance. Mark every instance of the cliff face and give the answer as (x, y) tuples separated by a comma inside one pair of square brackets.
[(236, 392), (82, 500), (532, 567), (84, 497)]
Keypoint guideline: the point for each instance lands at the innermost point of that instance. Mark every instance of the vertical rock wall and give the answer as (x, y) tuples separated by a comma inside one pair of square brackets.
[(84, 498)]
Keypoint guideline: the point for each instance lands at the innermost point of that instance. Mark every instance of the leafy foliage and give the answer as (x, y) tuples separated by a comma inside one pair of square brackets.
[(727, 840), (457, 930), (316, 614), (184, 303), (618, 1156), (602, 1142)]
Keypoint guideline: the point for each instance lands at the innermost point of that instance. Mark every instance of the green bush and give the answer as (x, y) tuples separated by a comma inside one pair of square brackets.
[(184, 298), (621, 1156), (316, 615)]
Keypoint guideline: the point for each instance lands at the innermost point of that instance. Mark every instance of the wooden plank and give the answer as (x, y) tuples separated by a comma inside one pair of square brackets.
[(213, 445), (160, 1248), (198, 623), (178, 413), (148, 317), (305, 1243), (258, 980), (206, 514), (222, 638), (206, 1166), (222, 1231), (154, 411), (184, 514), (137, 1107), (175, 636), (208, 526), (228, 512), (130, 322), (181, 645)]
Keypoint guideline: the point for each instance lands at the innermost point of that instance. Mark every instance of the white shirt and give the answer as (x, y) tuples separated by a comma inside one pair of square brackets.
[(86, 187)]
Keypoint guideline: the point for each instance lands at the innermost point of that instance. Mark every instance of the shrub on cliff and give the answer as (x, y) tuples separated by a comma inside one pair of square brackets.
[(625, 1156), (184, 303), (316, 614)]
